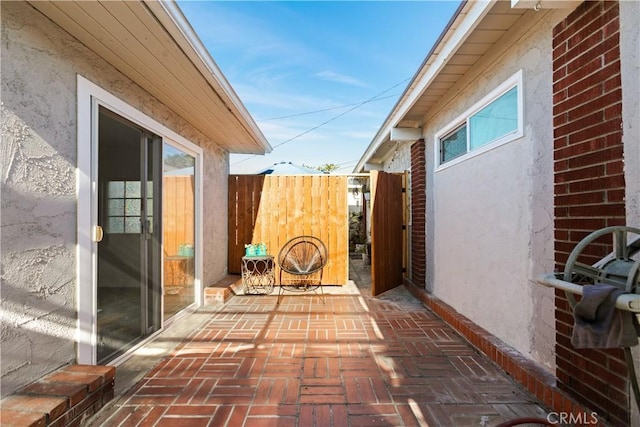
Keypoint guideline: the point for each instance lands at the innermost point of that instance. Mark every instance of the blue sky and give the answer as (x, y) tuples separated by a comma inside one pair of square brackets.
[(318, 77)]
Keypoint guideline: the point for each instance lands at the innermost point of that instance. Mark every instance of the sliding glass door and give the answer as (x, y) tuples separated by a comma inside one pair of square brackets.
[(179, 201), (129, 254), (129, 283)]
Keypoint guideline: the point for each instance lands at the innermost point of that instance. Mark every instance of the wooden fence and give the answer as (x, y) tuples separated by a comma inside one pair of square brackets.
[(178, 228), (178, 219), (275, 208), (388, 233)]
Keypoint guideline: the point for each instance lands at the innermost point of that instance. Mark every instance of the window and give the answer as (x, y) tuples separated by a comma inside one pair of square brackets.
[(124, 202), (495, 120), (454, 144)]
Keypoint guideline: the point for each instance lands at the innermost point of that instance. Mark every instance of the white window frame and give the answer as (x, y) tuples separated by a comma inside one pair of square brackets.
[(463, 119), (90, 97)]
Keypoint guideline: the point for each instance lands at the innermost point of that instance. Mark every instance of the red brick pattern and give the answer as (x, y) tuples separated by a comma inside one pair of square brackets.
[(532, 377), (66, 397), (418, 213), (354, 360), (220, 292), (589, 183)]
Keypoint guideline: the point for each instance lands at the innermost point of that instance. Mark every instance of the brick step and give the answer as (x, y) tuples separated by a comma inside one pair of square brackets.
[(222, 290), (66, 397)]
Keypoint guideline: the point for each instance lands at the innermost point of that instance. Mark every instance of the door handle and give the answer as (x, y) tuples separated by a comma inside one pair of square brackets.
[(148, 231), (98, 234)]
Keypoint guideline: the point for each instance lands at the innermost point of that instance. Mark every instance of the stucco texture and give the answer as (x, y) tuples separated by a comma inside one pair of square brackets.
[(39, 208), (630, 73), (492, 228), (490, 217)]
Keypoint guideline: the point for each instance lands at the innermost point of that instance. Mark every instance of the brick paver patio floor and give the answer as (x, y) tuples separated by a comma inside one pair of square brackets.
[(352, 361)]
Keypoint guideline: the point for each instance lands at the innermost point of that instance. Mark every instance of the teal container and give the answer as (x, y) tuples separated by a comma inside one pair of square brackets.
[(250, 250), (262, 249)]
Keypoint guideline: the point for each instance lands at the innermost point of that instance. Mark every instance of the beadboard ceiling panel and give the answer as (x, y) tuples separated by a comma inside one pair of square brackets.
[(153, 45)]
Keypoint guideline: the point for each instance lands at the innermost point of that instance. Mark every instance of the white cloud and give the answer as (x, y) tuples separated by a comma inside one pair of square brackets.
[(332, 76), (267, 101), (248, 38), (364, 134)]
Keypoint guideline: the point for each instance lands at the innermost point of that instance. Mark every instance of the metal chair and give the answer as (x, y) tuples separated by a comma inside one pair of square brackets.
[(301, 261)]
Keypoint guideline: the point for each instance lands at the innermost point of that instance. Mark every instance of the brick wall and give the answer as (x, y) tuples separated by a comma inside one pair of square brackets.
[(589, 184), (69, 396), (418, 213)]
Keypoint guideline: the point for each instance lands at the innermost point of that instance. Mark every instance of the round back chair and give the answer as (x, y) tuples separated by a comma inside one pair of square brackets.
[(301, 261)]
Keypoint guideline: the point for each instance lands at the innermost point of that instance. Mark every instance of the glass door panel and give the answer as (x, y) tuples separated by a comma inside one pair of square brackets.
[(153, 232), (126, 258), (178, 230)]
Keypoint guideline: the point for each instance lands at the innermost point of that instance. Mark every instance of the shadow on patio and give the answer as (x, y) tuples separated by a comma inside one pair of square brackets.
[(354, 361)]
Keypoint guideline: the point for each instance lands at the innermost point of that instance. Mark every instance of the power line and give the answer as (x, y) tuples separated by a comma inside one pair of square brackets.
[(343, 165), (323, 110), (358, 105)]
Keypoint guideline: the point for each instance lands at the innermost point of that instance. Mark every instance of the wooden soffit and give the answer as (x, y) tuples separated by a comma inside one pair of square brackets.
[(152, 43)]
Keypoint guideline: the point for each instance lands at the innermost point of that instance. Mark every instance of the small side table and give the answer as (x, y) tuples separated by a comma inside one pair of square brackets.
[(258, 274), (181, 273)]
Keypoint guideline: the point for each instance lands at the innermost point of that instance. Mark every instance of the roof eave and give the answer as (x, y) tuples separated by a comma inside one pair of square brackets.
[(211, 71), (163, 55), (461, 24), (475, 28)]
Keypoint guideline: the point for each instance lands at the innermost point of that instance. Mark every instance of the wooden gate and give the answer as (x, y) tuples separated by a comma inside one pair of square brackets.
[(272, 209), (387, 231)]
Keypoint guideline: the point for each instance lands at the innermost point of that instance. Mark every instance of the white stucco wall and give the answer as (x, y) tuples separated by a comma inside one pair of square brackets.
[(491, 228), (630, 73), (399, 160), (38, 158), (490, 217)]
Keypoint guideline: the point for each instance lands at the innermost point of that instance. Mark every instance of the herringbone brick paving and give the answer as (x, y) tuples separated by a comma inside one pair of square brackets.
[(352, 361)]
